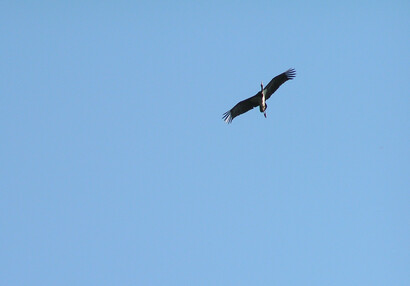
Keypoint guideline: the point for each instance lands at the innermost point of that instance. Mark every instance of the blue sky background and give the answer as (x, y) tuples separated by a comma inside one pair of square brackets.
[(117, 169)]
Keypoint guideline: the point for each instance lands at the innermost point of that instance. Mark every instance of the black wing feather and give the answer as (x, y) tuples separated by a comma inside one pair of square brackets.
[(242, 107), (278, 80)]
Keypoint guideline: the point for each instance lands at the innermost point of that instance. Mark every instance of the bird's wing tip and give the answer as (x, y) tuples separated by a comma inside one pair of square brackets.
[(291, 73), (227, 117)]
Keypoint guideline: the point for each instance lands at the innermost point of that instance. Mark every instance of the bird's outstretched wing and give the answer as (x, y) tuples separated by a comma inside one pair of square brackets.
[(278, 80), (242, 107)]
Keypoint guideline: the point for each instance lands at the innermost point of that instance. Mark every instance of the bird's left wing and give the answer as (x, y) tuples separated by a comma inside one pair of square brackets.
[(242, 107), (278, 80)]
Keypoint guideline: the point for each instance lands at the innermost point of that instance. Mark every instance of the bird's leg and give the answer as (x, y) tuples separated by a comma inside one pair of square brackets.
[(264, 113)]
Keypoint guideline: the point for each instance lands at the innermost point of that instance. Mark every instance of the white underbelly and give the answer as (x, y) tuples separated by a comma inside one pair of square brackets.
[(263, 99)]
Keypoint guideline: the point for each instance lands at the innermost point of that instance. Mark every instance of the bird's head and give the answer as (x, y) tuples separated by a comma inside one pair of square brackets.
[(261, 86)]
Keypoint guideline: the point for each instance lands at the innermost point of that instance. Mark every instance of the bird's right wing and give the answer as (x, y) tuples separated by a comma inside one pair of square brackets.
[(242, 107)]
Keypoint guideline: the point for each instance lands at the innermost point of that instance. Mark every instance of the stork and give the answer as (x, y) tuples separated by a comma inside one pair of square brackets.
[(259, 98)]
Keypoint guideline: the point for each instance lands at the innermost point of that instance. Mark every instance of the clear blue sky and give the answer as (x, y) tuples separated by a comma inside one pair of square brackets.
[(117, 169)]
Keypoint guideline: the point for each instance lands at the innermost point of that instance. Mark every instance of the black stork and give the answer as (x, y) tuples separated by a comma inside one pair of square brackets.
[(260, 98)]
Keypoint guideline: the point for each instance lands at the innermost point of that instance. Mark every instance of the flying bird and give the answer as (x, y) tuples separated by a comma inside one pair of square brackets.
[(260, 98)]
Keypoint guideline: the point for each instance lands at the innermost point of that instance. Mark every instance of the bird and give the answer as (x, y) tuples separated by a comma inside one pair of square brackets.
[(260, 98)]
